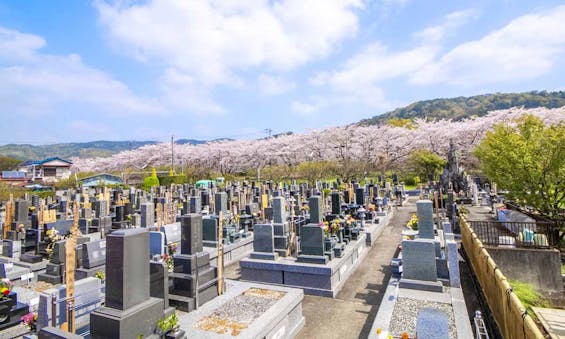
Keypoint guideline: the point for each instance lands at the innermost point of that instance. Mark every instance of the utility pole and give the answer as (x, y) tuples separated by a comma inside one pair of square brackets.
[(172, 153), (268, 132)]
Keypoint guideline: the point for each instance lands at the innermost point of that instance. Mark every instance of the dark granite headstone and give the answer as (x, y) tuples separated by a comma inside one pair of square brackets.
[(191, 233), (336, 203), (315, 205), (263, 242), (279, 213), (312, 244), (221, 202), (94, 253), (127, 268), (147, 214)]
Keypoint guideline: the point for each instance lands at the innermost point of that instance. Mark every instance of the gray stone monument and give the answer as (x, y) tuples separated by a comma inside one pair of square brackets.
[(130, 311), (312, 245), (425, 213), (419, 265), (263, 242), (315, 206), (147, 214)]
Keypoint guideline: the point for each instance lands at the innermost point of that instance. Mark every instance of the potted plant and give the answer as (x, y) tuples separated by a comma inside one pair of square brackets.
[(169, 328)]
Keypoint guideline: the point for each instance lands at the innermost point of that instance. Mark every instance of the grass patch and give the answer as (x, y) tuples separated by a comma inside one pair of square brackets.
[(562, 268), (529, 296)]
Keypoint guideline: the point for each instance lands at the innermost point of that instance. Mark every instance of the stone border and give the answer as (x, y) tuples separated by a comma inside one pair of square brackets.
[(232, 252), (315, 279), (283, 320)]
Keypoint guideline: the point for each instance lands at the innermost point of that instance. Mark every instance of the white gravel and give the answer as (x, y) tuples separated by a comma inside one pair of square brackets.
[(405, 314)]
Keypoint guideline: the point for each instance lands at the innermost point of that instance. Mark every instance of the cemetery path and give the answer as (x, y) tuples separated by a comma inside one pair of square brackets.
[(351, 313)]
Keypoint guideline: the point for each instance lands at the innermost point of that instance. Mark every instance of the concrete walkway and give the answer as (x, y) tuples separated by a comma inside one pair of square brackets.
[(351, 314)]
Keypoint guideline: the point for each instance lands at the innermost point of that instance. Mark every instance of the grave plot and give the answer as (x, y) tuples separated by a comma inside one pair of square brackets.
[(248, 310), (331, 246), (424, 297)]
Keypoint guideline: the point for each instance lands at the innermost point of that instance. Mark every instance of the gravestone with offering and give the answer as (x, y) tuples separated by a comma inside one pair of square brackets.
[(129, 311), (194, 280)]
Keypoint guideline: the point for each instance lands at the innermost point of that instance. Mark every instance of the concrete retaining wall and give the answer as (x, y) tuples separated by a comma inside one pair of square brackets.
[(541, 268)]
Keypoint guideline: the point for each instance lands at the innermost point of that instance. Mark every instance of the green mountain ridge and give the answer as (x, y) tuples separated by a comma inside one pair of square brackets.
[(100, 148), (465, 107)]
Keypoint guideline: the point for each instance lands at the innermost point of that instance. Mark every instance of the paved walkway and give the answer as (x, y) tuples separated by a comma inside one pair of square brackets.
[(351, 313)]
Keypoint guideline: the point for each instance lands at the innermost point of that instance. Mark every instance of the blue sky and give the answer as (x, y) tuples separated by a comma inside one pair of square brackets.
[(146, 70)]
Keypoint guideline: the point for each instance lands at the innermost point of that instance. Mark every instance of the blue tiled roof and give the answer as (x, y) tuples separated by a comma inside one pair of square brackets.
[(41, 162)]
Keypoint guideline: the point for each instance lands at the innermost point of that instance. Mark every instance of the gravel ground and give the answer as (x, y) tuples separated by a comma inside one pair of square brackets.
[(406, 312), (235, 315)]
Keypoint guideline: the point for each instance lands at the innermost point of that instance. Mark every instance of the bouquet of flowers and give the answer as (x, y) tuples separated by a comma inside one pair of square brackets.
[(169, 261), (52, 237), (413, 222), (172, 248), (29, 320), (326, 227), (336, 224), (5, 288)]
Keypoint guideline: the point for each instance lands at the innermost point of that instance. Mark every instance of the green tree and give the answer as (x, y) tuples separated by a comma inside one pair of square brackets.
[(151, 181), (8, 164), (426, 164), (315, 170), (528, 160)]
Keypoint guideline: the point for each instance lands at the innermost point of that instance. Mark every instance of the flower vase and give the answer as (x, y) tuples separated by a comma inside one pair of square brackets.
[(175, 334)]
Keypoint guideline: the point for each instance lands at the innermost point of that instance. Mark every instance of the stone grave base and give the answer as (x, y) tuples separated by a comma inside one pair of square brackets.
[(81, 273), (34, 267), (137, 320), (232, 252), (431, 286), (16, 272), (315, 279), (453, 296), (283, 319), (206, 293)]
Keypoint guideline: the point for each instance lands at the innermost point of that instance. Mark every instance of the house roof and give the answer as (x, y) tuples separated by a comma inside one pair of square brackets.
[(41, 162)]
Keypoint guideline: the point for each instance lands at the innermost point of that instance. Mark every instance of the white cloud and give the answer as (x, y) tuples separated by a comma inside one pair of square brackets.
[(34, 83), (528, 47), (274, 85), (451, 22), (304, 108), (359, 79), (212, 40)]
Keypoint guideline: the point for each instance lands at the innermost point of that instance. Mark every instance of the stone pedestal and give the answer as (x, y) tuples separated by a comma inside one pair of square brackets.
[(130, 311)]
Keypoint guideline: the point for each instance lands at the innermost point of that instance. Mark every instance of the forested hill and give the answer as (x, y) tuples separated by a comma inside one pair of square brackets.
[(101, 148), (464, 107)]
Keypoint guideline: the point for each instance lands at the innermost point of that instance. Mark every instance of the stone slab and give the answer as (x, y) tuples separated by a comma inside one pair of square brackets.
[(282, 320), (431, 286)]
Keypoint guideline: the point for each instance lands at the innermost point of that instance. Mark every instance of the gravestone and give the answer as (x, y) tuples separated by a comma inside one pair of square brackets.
[(191, 233), (419, 260), (453, 263), (209, 231), (147, 211), (432, 323), (425, 214), (129, 311), (315, 206), (336, 203), (172, 234), (88, 297), (312, 245), (156, 243), (263, 242), (159, 281), (11, 248), (360, 196), (221, 202), (94, 253), (279, 213), (21, 211), (191, 263)]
